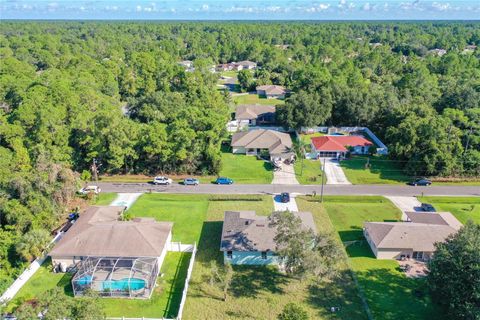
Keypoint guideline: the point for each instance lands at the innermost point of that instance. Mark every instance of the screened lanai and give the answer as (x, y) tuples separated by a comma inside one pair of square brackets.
[(116, 277)]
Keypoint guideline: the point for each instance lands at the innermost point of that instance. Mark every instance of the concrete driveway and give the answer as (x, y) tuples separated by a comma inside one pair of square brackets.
[(278, 205), (125, 199), (333, 172), (406, 204), (286, 175)]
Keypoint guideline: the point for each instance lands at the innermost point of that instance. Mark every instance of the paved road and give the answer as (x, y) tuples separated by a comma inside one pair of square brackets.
[(387, 190)]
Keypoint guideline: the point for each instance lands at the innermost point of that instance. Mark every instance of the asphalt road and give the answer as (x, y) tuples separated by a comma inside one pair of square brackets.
[(384, 190)]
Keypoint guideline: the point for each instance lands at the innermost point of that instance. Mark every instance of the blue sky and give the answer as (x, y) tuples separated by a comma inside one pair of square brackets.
[(241, 9)]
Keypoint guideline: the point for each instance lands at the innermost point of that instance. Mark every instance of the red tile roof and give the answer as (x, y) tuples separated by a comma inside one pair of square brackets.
[(339, 143)]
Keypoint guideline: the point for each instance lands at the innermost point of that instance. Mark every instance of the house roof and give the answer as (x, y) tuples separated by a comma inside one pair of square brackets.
[(245, 231), (99, 232), (247, 63), (252, 111), (276, 142), (272, 89), (419, 235), (338, 143)]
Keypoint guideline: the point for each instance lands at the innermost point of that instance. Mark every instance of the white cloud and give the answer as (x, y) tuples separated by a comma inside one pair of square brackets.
[(441, 6), (205, 7), (138, 8)]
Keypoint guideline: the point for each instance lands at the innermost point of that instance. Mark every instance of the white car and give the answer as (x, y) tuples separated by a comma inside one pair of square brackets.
[(162, 180), (89, 189)]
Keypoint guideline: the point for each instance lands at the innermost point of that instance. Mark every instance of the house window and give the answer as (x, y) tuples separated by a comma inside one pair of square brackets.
[(229, 254), (264, 255)]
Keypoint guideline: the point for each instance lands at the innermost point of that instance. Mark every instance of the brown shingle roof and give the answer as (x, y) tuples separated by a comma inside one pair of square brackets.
[(252, 111), (245, 231), (276, 142), (98, 232), (272, 89)]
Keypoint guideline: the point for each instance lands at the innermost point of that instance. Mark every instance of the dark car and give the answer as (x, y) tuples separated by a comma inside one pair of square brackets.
[(427, 207), (421, 182), (223, 180), (285, 197)]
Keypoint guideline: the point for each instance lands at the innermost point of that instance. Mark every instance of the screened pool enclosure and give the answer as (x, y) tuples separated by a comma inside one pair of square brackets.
[(116, 277)]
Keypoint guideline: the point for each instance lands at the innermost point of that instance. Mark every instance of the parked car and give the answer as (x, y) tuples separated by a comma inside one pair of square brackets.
[(285, 197), (89, 189), (191, 182), (223, 180), (420, 182), (162, 180), (427, 207)]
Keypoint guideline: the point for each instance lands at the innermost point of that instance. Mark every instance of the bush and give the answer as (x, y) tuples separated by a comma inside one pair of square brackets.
[(292, 311)]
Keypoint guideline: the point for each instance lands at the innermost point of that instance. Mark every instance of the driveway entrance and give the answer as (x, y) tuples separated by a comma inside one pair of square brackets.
[(334, 172), (285, 175)]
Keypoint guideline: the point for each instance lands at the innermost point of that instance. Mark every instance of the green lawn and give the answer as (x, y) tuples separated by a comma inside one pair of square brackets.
[(381, 171), (260, 292), (105, 198), (389, 294), (255, 99), (308, 171), (164, 302), (245, 169), (230, 73), (463, 208), (307, 138)]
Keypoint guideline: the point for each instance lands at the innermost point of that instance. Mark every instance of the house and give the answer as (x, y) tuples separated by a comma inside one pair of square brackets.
[(469, 49), (223, 67), (247, 65), (437, 52), (109, 253), (337, 146), (261, 141), (254, 114), (414, 238), (186, 64), (271, 91), (248, 239)]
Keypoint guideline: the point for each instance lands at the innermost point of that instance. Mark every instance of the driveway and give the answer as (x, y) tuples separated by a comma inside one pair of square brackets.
[(280, 206), (406, 204), (125, 199), (286, 175), (333, 172)]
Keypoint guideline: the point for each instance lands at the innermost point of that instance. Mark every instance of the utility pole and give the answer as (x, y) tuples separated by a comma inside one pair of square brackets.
[(323, 179)]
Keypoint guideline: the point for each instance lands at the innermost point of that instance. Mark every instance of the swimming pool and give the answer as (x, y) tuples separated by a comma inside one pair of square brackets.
[(124, 284), (83, 281)]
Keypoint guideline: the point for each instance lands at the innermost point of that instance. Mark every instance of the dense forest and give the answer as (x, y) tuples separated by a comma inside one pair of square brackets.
[(72, 92)]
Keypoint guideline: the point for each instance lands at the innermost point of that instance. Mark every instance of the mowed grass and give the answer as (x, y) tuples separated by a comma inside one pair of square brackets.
[(388, 292), (381, 171), (255, 99), (260, 292), (463, 208), (105, 198), (165, 300), (306, 139), (245, 169), (308, 171)]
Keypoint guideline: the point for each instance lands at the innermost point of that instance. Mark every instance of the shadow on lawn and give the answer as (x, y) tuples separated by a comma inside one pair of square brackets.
[(176, 287), (353, 234), (249, 281)]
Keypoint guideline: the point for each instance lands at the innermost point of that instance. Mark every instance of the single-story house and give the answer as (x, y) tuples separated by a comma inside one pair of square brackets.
[(337, 146), (104, 250), (248, 239), (247, 65), (271, 91), (414, 238), (254, 142), (437, 52), (254, 114), (223, 67)]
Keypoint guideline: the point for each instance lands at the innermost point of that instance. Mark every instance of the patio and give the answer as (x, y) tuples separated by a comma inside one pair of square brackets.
[(413, 268)]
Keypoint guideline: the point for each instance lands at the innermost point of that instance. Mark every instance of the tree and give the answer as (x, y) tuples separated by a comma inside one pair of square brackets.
[(292, 311), (88, 307), (454, 277), (245, 79), (32, 244), (305, 109), (227, 280)]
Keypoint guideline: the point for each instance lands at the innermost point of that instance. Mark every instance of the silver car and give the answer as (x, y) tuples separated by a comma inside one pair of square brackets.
[(191, 182)]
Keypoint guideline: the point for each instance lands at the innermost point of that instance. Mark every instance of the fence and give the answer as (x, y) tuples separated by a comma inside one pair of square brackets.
[(179, 247), (187, 280)]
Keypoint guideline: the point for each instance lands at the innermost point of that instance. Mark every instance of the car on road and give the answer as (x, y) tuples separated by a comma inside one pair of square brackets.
[(223, 180), (427, 207), (162, 180), (89, 189), (420, 182), (191, 182), (285, 197)]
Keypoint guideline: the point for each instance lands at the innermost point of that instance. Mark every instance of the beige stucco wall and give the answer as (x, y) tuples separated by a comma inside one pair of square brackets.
[(240, 150), (164, 252), (68, 261)]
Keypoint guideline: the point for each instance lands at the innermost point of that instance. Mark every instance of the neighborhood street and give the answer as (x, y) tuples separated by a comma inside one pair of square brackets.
[(385, 190)]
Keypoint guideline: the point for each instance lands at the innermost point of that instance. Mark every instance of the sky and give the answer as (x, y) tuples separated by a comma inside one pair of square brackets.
[(241, 9)]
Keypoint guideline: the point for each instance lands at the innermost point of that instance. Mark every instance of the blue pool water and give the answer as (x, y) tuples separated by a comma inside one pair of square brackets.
[(123, 284), (84, 281)]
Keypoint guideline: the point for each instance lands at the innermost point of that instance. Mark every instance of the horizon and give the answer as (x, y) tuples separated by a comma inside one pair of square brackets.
[(242, 10)]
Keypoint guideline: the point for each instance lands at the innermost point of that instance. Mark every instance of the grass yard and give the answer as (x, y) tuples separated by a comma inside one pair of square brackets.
[(310, 174), (245, 169), (105, 198), (389, 294), (260, 292), (164, 302), (255, 99), (381, 171), (306, 139), (463, 208)]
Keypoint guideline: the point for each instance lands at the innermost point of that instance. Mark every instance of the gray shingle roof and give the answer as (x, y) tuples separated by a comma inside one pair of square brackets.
[(245, 231)]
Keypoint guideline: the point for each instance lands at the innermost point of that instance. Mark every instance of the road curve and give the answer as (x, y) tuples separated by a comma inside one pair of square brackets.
[(383, 190)]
